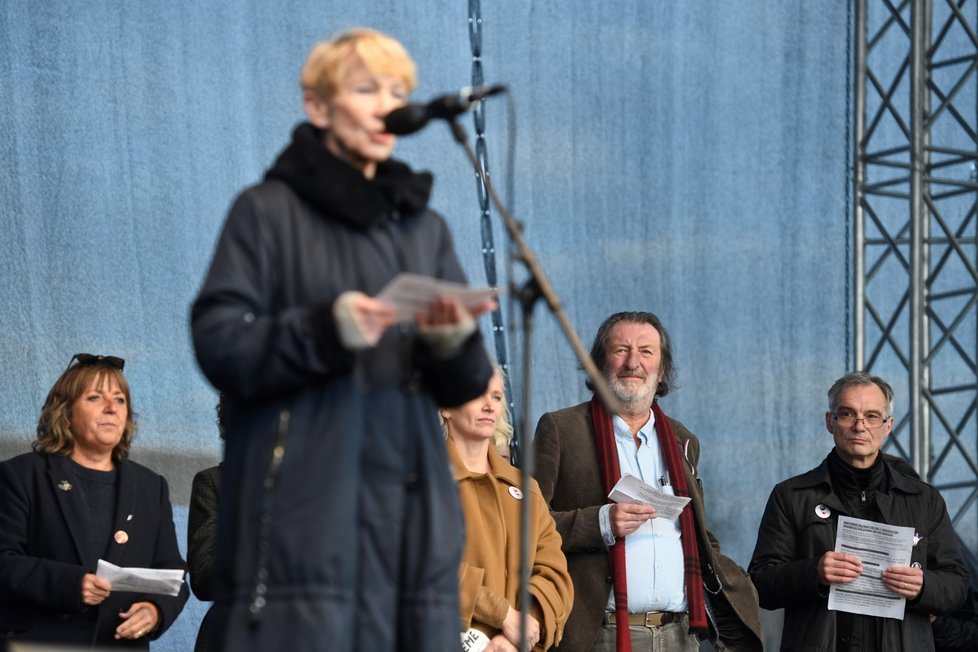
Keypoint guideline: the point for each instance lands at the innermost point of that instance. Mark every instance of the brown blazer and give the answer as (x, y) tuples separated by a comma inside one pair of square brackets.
[(570, 479)]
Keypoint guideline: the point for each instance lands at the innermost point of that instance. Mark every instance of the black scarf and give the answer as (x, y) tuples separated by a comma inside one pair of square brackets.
[(857, 487), (340, 191)]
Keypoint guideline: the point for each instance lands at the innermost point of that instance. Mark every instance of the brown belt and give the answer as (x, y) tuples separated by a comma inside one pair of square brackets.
[(649, 618)]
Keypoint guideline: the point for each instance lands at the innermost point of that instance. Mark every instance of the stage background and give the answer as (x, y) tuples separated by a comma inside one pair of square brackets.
[(688, 158)]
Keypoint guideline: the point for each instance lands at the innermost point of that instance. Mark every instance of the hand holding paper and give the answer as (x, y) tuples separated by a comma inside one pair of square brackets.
[(630, 489), (162, 581), (879, 546), (626, 518), (410, 294)]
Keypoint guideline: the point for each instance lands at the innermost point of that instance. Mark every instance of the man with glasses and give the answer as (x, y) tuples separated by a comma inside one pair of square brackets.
[(794, 563)]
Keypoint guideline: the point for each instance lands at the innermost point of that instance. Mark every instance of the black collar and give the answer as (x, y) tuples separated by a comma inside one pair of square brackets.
[(340, 191)]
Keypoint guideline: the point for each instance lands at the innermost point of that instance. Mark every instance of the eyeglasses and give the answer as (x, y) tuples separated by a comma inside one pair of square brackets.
[(848, 419), (91, 360)]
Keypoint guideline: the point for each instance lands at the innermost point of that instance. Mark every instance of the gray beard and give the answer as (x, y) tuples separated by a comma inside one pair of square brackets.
[(633, 401)]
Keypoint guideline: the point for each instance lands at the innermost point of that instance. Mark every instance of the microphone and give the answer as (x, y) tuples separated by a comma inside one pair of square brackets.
[(413, 117)]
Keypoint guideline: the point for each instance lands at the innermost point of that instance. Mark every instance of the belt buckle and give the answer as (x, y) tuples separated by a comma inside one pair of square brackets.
[(654, 618)]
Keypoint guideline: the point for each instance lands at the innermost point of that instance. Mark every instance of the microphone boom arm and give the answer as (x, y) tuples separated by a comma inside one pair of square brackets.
[(535, 287), (538, 278)]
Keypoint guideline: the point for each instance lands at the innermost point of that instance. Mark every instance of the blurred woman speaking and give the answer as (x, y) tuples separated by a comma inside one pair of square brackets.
[(77, 499), (489, 486), (339, 525)]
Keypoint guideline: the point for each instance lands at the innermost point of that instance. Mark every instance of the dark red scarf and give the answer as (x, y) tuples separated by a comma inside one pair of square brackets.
[(604, 436)]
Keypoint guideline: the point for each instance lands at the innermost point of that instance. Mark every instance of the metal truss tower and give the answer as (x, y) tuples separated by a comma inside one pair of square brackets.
[(915, 275)]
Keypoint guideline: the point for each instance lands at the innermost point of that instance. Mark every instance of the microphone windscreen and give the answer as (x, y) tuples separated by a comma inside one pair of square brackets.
[(406, 120)]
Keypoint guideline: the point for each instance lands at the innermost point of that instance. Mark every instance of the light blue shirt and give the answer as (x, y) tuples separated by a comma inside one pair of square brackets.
[(654, 552)]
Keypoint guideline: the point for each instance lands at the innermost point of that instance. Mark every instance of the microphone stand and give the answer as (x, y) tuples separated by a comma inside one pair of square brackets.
[(535, 288)]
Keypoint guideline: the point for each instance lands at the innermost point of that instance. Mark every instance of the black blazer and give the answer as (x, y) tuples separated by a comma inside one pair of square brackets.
[(201, 546), (41, 551)]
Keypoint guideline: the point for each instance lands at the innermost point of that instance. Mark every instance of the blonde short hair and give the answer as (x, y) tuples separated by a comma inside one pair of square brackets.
[(326, 65), (503, 437)]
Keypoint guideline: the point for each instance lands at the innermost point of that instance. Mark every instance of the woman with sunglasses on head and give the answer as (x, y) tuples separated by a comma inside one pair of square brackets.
[(75, 499)]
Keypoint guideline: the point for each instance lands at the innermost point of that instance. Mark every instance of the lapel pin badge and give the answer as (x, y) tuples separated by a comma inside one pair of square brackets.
[(516, 493), (121, 537), (822, 511), (64, 485)]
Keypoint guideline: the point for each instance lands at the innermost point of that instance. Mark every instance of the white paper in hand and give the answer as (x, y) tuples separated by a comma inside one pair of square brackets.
[(878, 546), (161, 581), (410, 294), (630, 489)]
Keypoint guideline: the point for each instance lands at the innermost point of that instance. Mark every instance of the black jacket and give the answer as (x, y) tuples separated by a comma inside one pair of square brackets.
[(793, 537), (41, 551), (364, 530), (958, 632), (201, 545)]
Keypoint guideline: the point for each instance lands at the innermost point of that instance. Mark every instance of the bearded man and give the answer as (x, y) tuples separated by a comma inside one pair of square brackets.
[(640, 582)]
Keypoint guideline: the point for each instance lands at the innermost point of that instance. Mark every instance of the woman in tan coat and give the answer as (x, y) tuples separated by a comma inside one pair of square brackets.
[(489, 488)]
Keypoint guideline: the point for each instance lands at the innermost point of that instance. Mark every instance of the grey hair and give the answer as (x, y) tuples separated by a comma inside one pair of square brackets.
[(599, 348), (859, 378)]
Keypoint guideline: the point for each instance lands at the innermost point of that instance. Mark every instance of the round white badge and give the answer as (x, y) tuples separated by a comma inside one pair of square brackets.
[(822, 511), (516, 493)]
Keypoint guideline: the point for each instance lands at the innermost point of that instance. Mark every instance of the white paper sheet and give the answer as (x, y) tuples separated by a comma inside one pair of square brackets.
[(162, 581), (630, 489), (413, 293), (878, 546)]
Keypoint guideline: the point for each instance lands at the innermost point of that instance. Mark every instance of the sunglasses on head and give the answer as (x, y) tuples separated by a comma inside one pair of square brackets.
[(90, 360)]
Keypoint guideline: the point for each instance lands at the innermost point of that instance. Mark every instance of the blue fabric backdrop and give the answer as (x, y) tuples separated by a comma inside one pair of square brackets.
[(684, 157)]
